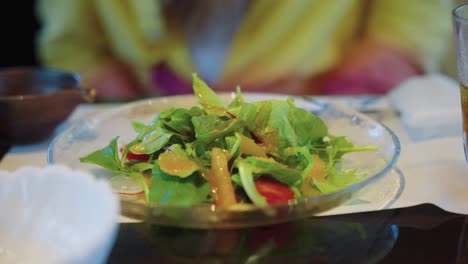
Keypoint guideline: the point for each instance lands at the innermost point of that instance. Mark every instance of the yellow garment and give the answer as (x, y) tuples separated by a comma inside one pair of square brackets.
[(276, 39)]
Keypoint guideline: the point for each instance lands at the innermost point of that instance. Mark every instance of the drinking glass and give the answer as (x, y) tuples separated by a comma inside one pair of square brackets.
[(460, 33)]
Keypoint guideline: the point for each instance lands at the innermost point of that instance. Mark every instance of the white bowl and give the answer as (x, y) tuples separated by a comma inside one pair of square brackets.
[(56, 215)]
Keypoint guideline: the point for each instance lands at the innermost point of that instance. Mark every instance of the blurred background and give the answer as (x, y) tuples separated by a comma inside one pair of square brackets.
[(19, 26)]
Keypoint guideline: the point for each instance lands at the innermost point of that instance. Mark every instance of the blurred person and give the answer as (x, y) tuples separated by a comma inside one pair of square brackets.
[(127, 49)]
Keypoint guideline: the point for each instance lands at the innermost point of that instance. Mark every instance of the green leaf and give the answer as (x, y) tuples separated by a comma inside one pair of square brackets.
[(279, 121), (298, 158), (176, 191), (281, 124), (107, 157), (280, 172), (238, 101), (332, 148), (247, 179), (206, 96), (209, 128), (337, 180), (138, 127), (141, 166), (233, 145), (178, 121), (307, 126), (255, 115), (152, 142)]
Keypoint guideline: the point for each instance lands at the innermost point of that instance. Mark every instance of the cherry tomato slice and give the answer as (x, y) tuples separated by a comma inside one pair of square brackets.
[(139, 157), (274, 191)]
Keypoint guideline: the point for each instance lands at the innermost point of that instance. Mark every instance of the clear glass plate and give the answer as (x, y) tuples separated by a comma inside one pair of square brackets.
[(94, 132)]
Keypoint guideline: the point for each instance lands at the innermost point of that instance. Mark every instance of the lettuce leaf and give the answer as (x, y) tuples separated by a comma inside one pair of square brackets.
[(176, 191)]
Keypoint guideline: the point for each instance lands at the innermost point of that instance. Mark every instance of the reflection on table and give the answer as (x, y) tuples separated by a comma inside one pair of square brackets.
[(411, 235)]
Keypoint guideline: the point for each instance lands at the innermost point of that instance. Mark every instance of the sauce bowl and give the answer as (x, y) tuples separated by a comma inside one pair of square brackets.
[(34, 101)]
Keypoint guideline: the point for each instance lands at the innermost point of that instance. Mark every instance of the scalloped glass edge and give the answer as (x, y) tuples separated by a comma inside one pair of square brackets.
[(243, 215)]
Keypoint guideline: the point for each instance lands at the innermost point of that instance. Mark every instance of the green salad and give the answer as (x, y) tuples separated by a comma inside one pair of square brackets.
[(261, 153)]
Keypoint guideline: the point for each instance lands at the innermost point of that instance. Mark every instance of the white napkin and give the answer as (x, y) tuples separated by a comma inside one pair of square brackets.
[(429, 106), (431, 171), (435, 172)]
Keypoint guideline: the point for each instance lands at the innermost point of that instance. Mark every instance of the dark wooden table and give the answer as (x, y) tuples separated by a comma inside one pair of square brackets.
[(420, 234)]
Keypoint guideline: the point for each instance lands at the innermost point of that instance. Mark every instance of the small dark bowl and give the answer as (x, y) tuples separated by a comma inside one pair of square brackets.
[(34, 101)]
